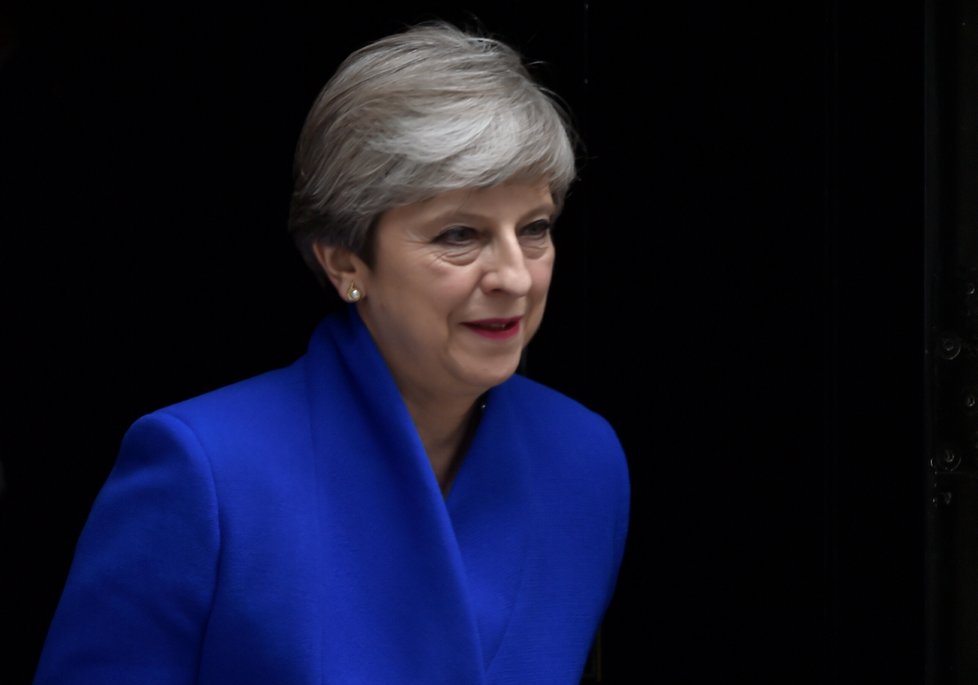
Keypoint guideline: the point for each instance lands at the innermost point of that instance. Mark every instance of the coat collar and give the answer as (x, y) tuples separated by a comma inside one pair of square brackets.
[(428, 583)]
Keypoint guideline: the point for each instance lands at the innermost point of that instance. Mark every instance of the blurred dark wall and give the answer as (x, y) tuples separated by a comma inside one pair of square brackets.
[(739, 290)]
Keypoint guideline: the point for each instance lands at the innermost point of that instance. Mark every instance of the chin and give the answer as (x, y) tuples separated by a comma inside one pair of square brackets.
[(488, 378)]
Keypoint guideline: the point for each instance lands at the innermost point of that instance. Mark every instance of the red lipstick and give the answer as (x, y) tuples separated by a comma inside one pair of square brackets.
[(496, 329)]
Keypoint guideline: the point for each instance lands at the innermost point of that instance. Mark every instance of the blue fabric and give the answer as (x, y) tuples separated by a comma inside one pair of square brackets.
[(289, 529)]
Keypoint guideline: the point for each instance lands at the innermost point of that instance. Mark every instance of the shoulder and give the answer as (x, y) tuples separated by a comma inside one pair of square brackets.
[(543, 406), (272, 387), (575, 459), (563, 431), (247, 411)]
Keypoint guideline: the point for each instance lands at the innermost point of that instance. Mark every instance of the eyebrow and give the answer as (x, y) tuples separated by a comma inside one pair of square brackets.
[(461, 215)]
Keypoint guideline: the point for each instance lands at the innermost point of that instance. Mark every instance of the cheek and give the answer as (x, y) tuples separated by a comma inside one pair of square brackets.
[(453, 284), (437, 298), (542, 271)]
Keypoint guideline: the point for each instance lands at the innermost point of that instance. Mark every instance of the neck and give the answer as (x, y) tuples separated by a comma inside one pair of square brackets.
[(445, 430)]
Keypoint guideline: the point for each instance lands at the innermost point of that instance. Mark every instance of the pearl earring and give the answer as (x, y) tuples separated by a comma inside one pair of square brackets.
[(353, 294)]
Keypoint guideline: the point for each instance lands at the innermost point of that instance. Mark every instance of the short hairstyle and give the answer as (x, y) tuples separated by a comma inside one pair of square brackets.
[(415, 114)]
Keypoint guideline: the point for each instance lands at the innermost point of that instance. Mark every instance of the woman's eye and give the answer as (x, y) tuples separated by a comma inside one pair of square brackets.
[(456, 235), (538, 229)]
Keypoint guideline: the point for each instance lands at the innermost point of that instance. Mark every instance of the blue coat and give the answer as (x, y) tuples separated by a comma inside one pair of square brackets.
[(289, 529)]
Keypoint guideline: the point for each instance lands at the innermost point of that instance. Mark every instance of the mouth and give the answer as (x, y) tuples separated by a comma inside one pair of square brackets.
[(498, 329)]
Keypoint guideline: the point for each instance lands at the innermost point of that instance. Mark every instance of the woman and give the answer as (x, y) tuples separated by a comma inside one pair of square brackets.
[(397, 506)]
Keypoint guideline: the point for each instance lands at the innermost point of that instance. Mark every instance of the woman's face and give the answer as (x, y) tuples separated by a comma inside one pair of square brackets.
[(458, 287)]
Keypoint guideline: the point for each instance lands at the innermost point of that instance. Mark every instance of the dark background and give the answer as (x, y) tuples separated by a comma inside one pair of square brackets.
[(740, 290)]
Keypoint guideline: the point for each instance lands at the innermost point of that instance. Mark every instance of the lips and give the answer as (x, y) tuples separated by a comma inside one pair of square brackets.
[(497, 329)]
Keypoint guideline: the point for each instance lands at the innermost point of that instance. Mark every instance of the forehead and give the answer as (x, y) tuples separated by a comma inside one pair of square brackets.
[(504, 202)]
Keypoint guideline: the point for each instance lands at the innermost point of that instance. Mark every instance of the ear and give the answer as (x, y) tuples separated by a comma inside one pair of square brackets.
[(341, 266)]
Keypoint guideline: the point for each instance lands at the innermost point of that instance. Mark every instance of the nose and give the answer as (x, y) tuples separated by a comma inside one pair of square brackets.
[(507, 270)]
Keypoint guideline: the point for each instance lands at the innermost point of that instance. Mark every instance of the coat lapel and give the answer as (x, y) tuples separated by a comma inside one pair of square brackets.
[(416, 588), (489, 506), (395, 599)]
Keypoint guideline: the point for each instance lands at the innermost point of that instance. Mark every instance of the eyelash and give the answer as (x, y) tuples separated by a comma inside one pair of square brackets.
[(537, 229), (458, 235)]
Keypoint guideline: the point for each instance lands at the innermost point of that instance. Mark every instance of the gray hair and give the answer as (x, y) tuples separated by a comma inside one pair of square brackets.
[(416, 114)]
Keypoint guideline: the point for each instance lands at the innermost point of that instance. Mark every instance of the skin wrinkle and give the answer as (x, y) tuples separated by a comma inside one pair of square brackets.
[(424, 294)]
